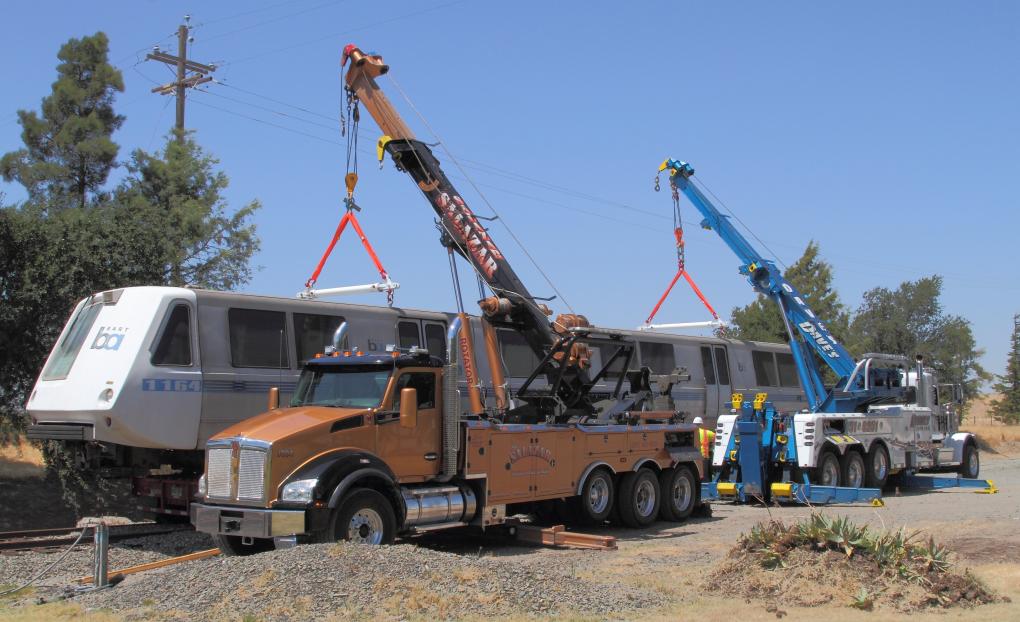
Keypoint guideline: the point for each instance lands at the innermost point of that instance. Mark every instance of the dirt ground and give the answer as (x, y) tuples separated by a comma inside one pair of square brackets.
[(677, 561)]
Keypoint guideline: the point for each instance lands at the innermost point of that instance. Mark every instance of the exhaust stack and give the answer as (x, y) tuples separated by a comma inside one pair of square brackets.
[(451, 404)]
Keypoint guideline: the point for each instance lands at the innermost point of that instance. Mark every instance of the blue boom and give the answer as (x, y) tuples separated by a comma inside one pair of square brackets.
[(859, 384)]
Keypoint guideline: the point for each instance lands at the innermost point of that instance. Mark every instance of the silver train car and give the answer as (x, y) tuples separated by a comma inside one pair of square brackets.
[(141, 377)]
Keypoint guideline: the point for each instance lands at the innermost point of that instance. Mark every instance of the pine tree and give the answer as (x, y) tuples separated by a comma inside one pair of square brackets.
[(201, 243), (1007, 407), (69, 151)]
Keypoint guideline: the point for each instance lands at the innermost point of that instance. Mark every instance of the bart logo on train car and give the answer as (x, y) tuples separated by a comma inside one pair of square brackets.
[(108, 338)]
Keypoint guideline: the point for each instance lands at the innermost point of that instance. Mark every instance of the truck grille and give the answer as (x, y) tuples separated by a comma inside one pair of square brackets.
[(217, 479), (235, 471), (251, 475)]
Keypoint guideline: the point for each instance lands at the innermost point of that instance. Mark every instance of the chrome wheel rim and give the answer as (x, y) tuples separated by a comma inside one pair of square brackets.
[(830, 473), (598, 495), (681, 493), (855, 474), (366, 527), (972, 462), (645, 497), (881, 465)]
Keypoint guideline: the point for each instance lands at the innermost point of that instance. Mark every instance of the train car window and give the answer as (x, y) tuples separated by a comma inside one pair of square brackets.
[(312, 333), (407, 334), (424, 383), (435, 340), (787, 370), (617, 368), (174, 345), (722, 366), (764, 368), (706, 363), (518, 357), (258, 338), (657, 356), (65, 353)]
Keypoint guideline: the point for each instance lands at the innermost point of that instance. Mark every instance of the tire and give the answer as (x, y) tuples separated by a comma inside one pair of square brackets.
[(971, 465), (852, 471), (828, 471), (364, 516), (680, 492), (231, 546), (878, 466), (595, 503), (638, 501)]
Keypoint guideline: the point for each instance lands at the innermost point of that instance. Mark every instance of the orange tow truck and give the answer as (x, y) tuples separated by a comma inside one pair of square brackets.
[(376, 445)]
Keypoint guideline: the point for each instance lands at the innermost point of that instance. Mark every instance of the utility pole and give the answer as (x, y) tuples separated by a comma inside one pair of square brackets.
[(185, 80)]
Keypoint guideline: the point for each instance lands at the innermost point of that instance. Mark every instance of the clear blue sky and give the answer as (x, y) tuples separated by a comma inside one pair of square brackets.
[(888, 132)]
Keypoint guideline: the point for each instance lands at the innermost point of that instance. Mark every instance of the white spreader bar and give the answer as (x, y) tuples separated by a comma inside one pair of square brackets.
[(706, 324), (349, 290)]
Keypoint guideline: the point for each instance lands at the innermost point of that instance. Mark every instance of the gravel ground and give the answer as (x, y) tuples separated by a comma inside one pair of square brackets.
[(397, 582), (657, 572)]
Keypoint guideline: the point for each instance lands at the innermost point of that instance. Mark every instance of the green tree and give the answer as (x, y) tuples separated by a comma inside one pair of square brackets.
[(1007, 407), (201, 244), (812, 276), (69, 151), (910, 321)]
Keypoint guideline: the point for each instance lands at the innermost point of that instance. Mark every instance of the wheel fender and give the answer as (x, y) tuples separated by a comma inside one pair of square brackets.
[(643, 462), (338, 471), (958, 442), (588, 471)]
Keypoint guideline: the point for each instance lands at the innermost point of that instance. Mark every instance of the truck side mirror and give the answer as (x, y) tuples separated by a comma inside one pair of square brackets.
[(958, 394), (409, 408), (274, 398)]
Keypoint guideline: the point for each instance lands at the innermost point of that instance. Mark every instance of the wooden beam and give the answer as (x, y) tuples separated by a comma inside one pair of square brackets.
[(153, 565), (170, 59)]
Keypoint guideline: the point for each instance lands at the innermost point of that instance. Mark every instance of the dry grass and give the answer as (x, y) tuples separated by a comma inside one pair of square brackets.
[(21, 460), (55, 611)]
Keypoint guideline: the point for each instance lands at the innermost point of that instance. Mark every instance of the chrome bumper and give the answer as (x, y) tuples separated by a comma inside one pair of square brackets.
[(247, 522)]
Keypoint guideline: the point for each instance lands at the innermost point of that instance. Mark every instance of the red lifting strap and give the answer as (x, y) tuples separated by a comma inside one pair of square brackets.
[(681, 271), (351, 218)]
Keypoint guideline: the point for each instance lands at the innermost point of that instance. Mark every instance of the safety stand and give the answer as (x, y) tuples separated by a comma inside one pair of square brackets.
[(811, 494), (386, 285), (939, 482)]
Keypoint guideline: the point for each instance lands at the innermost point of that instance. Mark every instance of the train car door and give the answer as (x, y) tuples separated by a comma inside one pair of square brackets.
[(410, 332), (715, 361)]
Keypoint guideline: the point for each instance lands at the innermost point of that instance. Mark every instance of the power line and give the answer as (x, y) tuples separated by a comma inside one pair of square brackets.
[(246, 13), (345, 32), (273, 20)]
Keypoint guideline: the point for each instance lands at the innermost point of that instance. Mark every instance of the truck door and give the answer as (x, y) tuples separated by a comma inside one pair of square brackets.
[(412, 453), (716, 364)]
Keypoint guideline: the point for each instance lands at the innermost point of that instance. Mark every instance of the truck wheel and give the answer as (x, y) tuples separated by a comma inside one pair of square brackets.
[(971, 465), (852, 469), (595, 502), (827, 471), (878, 466), (638, 502), (231, 546), (679, 493), (364, 516)]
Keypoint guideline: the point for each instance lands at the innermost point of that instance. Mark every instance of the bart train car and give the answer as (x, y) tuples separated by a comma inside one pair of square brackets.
[(141, 377)]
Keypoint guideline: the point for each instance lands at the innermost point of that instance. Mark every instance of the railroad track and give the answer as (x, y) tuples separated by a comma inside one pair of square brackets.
[(13, 542)]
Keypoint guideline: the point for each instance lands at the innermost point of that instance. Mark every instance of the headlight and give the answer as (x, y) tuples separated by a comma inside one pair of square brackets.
[(201, 486), (299, 490)]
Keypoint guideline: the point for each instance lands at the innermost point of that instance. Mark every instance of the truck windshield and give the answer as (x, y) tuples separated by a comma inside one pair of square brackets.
[(341, 387)]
